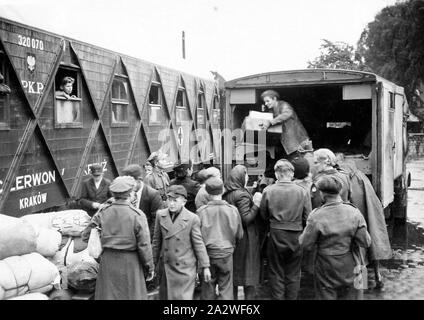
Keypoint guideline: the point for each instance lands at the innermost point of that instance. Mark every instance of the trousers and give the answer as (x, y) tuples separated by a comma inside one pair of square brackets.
[(222, 276), (285, 257)]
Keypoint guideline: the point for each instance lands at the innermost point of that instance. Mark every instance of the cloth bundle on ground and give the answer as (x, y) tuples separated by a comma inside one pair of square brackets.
[(82, 275), (48, 241), (26, 274), (67, 222), (17, 237), (79, 244), (365, 199), (31, 296), (67, 255)]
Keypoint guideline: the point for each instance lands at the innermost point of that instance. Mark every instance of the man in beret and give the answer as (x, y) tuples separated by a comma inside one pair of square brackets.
[(182, 177), (178, 248), (126, 261), (221, 227), (286, 206), (338, 230), (94, 191), (146, 198)]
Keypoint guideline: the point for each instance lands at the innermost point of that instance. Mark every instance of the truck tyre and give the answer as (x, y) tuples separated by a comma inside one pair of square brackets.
[(400, 206)]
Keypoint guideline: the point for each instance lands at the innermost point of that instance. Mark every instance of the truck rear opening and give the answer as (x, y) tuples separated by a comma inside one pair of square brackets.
[(333, 117)]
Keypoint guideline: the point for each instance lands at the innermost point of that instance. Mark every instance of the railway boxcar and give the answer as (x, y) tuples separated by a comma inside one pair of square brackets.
[(121, 109)]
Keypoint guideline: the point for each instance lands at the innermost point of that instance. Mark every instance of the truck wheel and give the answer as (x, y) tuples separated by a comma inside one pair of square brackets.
[(400, 206)]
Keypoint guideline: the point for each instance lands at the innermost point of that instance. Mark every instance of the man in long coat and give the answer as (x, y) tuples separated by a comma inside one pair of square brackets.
[(94, 191), (178, 248), (127, 254)]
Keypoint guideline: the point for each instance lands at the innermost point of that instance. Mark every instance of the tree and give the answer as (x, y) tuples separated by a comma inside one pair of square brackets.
[(393, 46), (338, 55)]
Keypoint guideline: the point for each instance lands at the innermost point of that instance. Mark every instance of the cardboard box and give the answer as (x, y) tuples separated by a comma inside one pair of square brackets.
[(255, 119)]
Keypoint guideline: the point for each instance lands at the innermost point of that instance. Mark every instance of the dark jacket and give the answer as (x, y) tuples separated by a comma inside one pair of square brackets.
[(293, 131), (286, 205), (192, 188), (123, 227), (345, 193), (90, 194), (247, 252), (150, 203), (335, 228)]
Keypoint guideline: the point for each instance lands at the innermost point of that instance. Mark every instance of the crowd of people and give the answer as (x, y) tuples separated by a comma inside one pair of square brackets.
[(199, 233)]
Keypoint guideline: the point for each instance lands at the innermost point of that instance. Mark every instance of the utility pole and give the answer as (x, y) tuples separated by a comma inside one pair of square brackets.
[(183, 44)]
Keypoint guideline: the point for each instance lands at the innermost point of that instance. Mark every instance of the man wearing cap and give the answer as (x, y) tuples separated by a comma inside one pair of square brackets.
[(125, 239), (156, 177), (178, 248), (202, 197), (146, 198), (325, 164), (94, 191), (182, 177), (221, 227), (338, 230), (286, 206)]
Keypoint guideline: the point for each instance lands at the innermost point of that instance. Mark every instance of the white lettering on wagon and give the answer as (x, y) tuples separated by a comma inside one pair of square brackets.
[(32, 201), (33, 87), (34, 180), (103, 164), (30, 42)]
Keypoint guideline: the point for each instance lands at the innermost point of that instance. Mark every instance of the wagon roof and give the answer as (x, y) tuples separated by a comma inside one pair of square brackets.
[(304, 77)]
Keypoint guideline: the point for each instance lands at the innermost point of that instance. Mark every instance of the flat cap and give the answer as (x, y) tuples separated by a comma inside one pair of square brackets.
[(96, 169), (301, 167), (214, 186), (133, 170), (329, 184), (176, 190), (212, 172), (122, 184)]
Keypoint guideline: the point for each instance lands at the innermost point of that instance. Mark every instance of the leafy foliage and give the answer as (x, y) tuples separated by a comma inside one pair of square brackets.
[(393, 45), (338, 55)]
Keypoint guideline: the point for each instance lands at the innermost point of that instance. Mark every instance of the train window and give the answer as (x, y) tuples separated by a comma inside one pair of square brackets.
[(119, 108), (215, 110), (155, 96), (4, 97), (200, 108), (181, 105), (155, 102), (68, 102), (154, 115)]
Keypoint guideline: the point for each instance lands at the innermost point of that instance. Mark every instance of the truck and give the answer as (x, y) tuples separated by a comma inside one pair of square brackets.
[(359, 114)]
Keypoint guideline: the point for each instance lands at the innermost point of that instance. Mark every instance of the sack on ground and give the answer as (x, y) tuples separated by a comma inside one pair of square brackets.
[(82, 275), (67, 222), (70, 222), (17, 237), (26, 274), (94, 243), (48, 242), (31, 296), (67, 255)]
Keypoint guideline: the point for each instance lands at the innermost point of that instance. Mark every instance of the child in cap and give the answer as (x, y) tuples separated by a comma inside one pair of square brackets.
[(221, 227)]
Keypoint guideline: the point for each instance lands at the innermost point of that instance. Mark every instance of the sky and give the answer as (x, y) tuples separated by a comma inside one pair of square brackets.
[(234, 37)]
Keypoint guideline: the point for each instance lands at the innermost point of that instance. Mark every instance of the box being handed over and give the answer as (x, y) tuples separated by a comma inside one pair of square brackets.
[(255, 120)]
